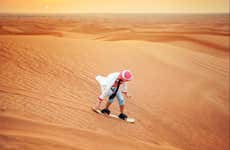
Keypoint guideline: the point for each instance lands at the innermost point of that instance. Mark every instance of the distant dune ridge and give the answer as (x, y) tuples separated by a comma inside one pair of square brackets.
[(180, 89)]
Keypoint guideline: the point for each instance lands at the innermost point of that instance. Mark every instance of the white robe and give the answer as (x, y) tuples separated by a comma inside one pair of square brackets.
[(106, 84)]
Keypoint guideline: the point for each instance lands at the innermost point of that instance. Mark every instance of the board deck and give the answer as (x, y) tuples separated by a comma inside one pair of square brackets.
[(130, 120)]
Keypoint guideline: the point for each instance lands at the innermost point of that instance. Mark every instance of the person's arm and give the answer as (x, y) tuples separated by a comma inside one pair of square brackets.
[(104, 93), (125, 90), (98, 104)]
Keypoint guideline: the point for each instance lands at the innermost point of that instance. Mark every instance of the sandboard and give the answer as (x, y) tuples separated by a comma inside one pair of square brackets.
[(130, 120)]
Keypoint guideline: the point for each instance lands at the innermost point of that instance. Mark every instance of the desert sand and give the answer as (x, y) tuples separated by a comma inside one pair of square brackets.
[(180, 90)]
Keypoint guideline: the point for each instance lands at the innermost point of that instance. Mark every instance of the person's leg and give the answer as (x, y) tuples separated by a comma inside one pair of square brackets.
[(122, 105), (122, 108), (106, 109), (108, 104)]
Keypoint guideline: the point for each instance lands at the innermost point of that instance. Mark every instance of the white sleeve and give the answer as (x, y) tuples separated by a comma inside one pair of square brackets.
[(124, 87), (107, 89)]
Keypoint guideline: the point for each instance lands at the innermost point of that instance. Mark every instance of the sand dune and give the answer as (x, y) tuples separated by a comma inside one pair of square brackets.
[(180, 90)]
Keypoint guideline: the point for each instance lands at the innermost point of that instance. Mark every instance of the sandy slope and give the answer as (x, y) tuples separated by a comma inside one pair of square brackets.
[(47, 85)]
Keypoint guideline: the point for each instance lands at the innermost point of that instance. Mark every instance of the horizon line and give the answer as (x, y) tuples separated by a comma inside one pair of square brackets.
[(69, 13)]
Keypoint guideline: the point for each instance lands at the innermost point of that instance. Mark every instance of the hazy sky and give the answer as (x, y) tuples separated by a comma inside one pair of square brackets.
[(113, 6)]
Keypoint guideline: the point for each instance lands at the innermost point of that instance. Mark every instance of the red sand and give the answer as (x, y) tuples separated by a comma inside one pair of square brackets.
[(180, 89)]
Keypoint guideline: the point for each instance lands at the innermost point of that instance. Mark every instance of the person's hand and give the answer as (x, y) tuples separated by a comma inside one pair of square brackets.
[(98, 104), (95, 108), (127, 96)]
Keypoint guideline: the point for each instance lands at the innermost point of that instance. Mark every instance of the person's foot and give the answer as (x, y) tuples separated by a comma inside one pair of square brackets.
[(123, 116), (105, 111)]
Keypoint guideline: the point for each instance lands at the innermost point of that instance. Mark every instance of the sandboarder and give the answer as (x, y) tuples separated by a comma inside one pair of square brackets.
[(110, 87)]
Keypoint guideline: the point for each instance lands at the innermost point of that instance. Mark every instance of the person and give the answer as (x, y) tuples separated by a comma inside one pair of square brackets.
[(110, 87)]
